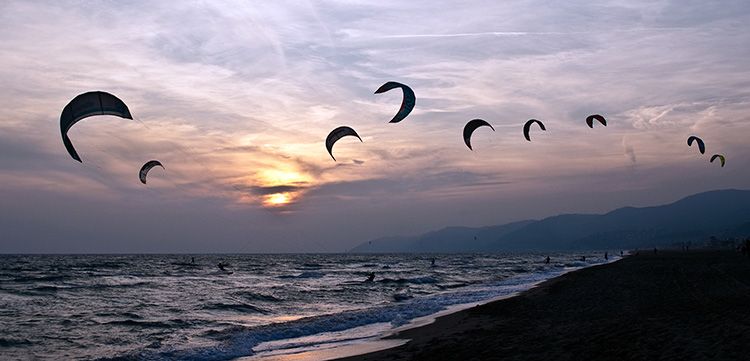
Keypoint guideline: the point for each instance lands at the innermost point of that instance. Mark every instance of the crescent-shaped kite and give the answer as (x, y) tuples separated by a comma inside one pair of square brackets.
[(721, 158), (337, 134), (408, 102), (146, 168), (701, 145), (87, 105), (527, 126), (590, 120), (471, 126)]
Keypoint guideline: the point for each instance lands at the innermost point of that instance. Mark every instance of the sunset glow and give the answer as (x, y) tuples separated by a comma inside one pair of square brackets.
[(277, 199), (275, 177), (236, 103)]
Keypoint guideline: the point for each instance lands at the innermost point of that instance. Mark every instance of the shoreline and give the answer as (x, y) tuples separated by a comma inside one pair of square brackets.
[(671, 305), (391, 338)]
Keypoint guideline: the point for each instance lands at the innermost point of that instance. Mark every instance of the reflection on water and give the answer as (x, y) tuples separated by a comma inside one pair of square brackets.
[(164, 306)]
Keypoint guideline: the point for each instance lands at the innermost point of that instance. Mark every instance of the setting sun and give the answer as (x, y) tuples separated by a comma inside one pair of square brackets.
[(285, 185), (277, 199)]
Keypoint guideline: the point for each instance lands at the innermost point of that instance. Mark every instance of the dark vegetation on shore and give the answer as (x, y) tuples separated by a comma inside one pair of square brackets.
[(664, 306)]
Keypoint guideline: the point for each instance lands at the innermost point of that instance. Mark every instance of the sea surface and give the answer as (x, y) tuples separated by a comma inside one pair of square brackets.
[(153, 307)]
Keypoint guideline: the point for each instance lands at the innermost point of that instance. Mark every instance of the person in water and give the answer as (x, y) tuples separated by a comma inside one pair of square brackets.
[(192, 260), (370, 277), (606, 256), (547, 260), (432, 263), (221, 266), (583, 258)]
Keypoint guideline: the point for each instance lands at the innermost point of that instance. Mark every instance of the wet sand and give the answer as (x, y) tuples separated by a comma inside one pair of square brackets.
[(669, 306)]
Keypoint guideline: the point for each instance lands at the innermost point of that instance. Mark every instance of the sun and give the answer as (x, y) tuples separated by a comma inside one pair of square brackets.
[(286, 185), (277, 199)]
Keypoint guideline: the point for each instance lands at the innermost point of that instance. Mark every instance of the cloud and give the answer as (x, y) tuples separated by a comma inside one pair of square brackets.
[(258, 190), (236, 99), (410, 186)]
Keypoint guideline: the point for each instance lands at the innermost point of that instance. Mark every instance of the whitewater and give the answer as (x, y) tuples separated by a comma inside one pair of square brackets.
[(153, 307)]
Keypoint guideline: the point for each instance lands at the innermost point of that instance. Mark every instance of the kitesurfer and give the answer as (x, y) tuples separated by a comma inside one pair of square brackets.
[(471, 126), (590, 120), (407, 103), (146, 168), (337, 134), (701, 145), (86, 105), (527, 127)]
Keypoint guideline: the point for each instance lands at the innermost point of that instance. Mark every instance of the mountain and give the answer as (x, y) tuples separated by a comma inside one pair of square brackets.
[(722, 213)]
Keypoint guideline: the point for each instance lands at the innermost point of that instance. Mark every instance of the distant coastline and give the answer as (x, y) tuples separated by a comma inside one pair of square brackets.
[(698, 220)]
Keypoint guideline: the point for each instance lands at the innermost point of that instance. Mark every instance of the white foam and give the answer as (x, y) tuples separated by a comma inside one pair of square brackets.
[(347, 328)]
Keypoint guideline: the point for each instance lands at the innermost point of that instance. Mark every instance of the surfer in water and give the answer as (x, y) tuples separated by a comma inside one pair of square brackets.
[(370, 277), (546, 261), (432, 262), (222, 266)]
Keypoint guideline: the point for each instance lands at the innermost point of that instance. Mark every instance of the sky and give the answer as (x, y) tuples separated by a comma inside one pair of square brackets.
[(236, 98)]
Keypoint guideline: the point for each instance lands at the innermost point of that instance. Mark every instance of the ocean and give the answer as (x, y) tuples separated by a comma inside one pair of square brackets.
[(154, 307)]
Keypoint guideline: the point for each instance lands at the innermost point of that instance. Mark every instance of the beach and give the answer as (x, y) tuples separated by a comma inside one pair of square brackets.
[(664, 306)]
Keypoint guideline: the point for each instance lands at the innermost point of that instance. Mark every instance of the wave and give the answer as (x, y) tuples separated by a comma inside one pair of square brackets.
[(96, 286), (14, 342), (402, 296), (576, 264), (46, 289), (186, 264), (32, 279), (311, 266), (239, 307), (100, 265), (147, 324), (237, 341), (448, 286), (248, 295), (129, 315), (304, 275), (519, 269), (415, 280)]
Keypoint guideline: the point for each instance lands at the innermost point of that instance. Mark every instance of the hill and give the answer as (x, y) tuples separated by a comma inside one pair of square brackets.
[(722, 213)]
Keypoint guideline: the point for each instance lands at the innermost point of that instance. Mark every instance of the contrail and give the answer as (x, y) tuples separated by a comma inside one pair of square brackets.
[(522, 33), (458, 35)]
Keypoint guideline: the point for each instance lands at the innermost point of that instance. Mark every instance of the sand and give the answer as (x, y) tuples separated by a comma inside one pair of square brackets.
[(669, 306)]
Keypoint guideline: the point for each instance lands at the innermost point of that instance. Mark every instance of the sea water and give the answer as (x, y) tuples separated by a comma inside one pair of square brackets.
[(152, 307)]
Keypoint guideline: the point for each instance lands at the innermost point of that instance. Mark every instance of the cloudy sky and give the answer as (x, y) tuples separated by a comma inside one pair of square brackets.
[(236, 99)]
